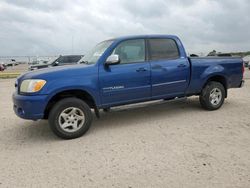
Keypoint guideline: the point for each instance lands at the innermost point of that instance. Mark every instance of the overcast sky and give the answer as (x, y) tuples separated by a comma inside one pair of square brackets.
[(48, 27)]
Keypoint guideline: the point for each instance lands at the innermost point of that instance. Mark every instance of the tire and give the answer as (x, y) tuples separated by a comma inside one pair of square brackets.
[(212, 96), (70, 118)]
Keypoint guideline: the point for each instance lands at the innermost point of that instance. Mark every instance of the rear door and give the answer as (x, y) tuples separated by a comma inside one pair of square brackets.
[(170, 72), (129, 80)]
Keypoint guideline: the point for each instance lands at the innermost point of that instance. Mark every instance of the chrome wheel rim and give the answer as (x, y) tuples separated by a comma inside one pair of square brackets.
[(71, 119), (215, 96)]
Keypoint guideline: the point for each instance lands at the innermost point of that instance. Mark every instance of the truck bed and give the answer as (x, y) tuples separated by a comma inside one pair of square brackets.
[(228, 67)]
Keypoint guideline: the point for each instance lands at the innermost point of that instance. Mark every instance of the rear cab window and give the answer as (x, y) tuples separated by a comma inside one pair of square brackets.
[(162, 48)]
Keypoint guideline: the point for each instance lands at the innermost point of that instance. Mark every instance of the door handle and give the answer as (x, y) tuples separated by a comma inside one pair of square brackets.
[(141, 69), (181, 65)]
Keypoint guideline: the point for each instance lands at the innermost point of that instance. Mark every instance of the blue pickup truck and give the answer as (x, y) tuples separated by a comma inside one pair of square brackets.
[(122, 71)]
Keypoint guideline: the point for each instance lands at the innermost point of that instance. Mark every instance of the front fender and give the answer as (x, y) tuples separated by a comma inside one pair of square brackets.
[(87, 85)]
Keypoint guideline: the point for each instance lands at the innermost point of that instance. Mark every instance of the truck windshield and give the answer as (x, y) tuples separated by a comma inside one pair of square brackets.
[(92, 56)]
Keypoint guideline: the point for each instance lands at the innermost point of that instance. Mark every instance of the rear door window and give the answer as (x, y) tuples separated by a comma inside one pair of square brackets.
[(162, 49)]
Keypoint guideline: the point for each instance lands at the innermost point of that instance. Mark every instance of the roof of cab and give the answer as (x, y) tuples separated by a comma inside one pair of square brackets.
[(144, 36)]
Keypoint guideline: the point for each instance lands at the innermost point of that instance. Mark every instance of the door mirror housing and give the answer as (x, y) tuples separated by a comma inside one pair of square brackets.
[(113, 60)]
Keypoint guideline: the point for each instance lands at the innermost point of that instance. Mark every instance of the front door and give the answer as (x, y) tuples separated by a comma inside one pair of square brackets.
[(128, 81)]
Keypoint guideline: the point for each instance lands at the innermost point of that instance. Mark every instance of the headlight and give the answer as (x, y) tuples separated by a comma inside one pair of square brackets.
[(32, 85)]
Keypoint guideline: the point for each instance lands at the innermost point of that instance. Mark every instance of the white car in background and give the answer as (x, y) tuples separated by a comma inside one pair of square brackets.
[(10, 63), (246, 61), (2, 67)]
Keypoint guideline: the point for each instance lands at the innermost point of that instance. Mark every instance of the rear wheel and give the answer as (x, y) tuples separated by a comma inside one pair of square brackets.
[(70, 118), (212, 96)]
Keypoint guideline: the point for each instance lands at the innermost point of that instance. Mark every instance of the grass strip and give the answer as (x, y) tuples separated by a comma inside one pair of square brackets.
[(4, 75)]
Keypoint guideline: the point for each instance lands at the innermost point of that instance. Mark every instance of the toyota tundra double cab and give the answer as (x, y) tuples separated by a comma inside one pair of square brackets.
[(122, 71)]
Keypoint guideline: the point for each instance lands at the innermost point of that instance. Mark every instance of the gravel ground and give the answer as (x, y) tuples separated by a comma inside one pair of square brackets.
[(17, 69), (164, 144)]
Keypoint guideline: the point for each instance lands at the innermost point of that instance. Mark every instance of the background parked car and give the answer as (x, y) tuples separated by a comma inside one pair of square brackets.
[(58, 61), (224, 55), (34, 62), (219, 54), (2, 67), (246, 63), (10, 63), (246, 60)]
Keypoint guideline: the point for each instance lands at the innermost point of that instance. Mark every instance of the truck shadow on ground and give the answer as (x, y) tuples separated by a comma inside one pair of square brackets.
[(132, 114), (124, 116)]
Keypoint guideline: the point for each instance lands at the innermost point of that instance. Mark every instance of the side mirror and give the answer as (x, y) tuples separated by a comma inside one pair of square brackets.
[(113, 60)]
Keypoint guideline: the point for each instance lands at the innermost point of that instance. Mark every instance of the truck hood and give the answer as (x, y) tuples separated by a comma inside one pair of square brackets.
[(59, 72)]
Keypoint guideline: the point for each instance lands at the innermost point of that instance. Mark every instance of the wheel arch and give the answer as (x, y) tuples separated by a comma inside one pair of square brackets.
[(217, 78), (78, 93)]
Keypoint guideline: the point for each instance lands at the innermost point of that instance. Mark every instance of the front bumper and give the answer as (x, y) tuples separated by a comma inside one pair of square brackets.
[(29, 107)]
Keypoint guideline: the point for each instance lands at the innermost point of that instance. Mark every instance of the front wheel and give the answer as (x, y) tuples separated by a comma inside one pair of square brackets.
[(70, 118), (212, 96)]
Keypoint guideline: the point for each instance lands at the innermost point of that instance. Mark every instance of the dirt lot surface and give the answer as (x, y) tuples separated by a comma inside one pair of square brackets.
[(169, 144), (17, 69)]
